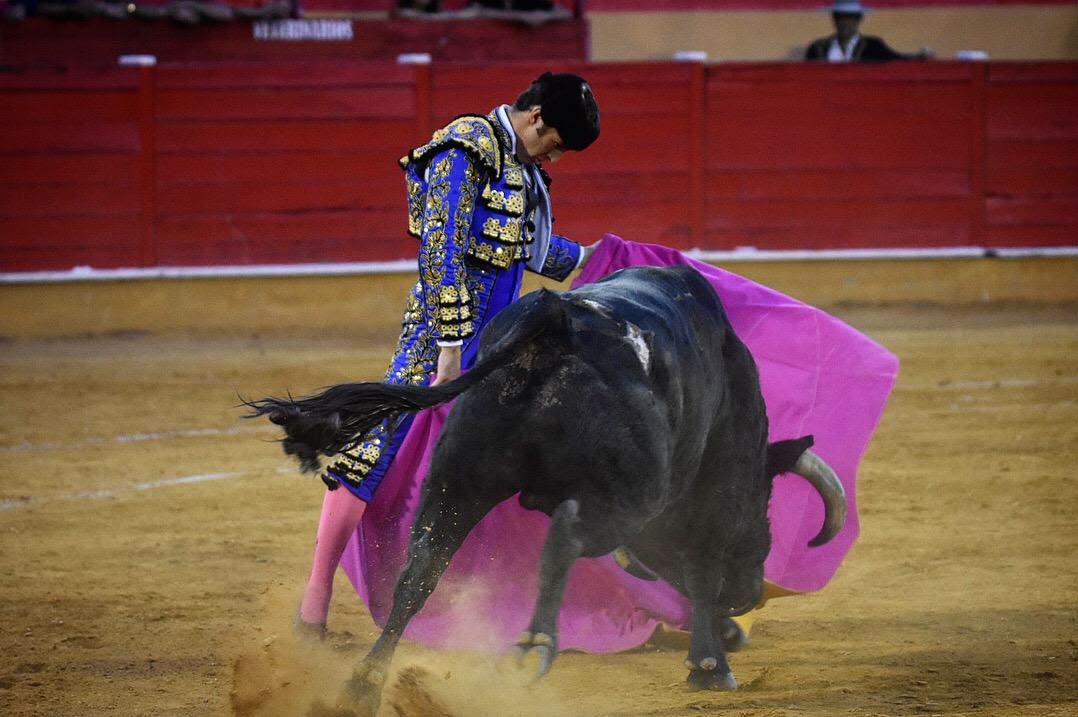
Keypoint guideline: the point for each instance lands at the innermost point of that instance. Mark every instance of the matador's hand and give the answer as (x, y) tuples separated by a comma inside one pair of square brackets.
[(586, 252), (448, 364)]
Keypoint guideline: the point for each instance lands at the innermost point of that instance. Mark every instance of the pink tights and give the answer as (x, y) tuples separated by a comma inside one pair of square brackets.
[(341, 512)]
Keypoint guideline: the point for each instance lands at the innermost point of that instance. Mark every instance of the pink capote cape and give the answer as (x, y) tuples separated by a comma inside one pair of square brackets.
[(818, 376)]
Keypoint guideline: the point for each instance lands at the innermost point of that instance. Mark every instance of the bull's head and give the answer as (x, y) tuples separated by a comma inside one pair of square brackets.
[(743, 582)]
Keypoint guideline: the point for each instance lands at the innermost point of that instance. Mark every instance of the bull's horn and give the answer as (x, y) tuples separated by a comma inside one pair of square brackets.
[(813, 469)]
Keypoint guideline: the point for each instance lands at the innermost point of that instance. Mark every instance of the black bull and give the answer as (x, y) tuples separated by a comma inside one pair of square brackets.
[(628, 411)]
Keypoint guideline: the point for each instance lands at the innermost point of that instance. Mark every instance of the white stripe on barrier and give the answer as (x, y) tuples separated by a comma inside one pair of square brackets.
[(408, 266), (1047, 251)]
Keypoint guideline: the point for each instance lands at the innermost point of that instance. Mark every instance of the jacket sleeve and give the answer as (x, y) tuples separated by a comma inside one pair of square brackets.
[(452, 186), (562, 258), (876, 50)]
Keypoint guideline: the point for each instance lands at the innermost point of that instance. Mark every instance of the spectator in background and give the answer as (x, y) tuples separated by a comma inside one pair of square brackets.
[(413, 8), (849, 45), (530, 12), (518, 5)]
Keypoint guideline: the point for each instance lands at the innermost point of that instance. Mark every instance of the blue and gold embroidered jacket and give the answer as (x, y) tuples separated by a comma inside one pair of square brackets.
[(467, 204)]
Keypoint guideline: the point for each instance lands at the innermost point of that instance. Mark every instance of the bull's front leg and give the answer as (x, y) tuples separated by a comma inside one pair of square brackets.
[(439, 530), (363, 690), (708, 668), (563, 546)]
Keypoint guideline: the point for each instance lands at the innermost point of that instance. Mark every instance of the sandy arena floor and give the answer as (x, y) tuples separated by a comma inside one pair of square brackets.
[(154, 544)]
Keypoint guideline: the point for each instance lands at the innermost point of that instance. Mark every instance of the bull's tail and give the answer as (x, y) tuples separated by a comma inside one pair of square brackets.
[(331, 421), (795, 457)]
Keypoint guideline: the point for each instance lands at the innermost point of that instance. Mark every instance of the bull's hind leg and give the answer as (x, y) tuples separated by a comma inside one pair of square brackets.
[(439, 530), (563, 546)]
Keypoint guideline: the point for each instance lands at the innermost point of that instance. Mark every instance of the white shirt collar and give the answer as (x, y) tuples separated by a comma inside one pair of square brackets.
[(502, 113), (536, 193), (836, 53)]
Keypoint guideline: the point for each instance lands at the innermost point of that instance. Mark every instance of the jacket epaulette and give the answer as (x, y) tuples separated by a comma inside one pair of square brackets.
[(472, 133)]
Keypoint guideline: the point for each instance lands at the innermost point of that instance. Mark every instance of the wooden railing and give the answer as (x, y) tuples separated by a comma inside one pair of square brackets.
[(223, 164)]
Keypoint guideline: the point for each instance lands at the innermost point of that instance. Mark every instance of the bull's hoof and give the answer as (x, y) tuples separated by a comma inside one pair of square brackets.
[(539, 644), (711, 680), (362, 693)]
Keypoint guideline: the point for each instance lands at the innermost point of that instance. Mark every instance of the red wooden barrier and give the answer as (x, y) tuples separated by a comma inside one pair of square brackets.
[(196, 164), (70, 169), (822, 157), (1031, 155), (282, 163)]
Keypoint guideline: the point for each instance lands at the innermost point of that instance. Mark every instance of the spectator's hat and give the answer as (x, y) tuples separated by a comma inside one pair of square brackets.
[(569, 107), (847, 7)]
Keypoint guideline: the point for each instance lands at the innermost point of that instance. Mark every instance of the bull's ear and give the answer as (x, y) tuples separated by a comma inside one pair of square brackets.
[(782, 455)]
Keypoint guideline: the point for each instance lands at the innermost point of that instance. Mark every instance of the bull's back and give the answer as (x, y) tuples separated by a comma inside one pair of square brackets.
[(699, 366), (675, 304), (581, 405)]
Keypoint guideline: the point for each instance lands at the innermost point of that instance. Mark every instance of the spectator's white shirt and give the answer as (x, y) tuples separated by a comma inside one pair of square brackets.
[(835, 53)]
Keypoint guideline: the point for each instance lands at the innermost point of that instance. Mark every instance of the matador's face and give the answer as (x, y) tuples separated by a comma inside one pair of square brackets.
[(846, 24), (537, 142)]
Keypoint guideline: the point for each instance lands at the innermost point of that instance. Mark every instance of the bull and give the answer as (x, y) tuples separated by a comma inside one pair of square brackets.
[(629, 412)]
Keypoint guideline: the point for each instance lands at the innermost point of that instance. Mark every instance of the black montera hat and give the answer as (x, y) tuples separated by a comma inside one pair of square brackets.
[(569, 106)]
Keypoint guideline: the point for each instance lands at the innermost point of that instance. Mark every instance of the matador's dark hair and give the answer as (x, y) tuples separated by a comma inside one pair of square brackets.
[(567, 104)]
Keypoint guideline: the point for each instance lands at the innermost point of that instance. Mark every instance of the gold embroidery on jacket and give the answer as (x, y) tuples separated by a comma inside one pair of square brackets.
[(511, 203), (514, 177), (453, 319), (415, 206), (473, 134), (508, 233), (500, 257), (436, 217)]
